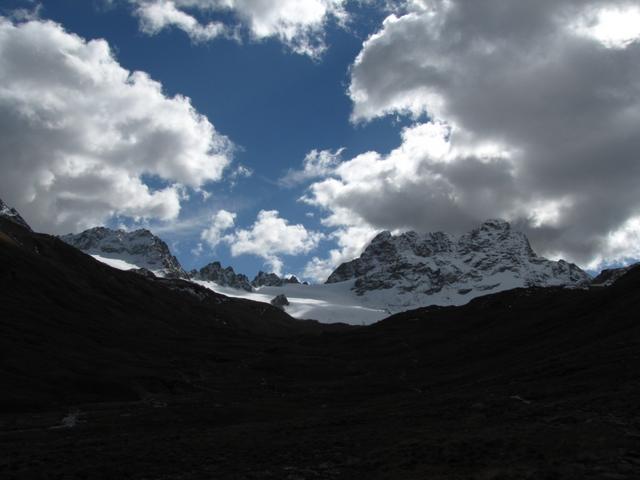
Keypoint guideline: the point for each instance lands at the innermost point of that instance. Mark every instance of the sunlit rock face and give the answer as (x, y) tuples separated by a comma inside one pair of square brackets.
[(138, 248), (225, 277), (439, 268)]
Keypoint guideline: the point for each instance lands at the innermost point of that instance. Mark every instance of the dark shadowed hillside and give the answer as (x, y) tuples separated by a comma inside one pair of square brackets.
[(74, 329), (109, 374)]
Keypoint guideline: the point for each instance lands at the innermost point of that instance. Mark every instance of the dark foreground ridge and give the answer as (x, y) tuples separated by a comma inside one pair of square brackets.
[(110, 374)]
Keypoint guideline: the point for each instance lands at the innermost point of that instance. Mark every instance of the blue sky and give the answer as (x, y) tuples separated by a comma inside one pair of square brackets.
[(274, 104), (438, 123)]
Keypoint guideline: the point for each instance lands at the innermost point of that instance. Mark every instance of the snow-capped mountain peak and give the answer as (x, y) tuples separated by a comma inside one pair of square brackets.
[(413, 269), (12, 214), (128, 250)]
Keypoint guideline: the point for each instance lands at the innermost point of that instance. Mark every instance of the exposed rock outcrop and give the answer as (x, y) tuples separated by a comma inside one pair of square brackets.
[(139, 248), (609, 276), (280, 301), (264, 279), (12, 215), (225, 277)]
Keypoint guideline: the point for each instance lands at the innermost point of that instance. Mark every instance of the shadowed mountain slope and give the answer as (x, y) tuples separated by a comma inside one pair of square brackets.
[(109, 374), (75, 329)]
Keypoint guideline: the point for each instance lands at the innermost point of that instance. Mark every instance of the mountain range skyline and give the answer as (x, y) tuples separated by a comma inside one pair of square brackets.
[(394, 273), (99, 241), (284, 139)]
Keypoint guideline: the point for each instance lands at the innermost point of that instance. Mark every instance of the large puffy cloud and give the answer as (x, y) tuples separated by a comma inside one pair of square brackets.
[(423, 182), (79, 134), (533, 114), (299, 24), (221, 221), (272, 236)]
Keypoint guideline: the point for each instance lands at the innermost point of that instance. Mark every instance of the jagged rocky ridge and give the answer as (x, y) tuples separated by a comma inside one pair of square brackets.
[(139, 247), (609, 276), (280, 301), (225, 277), (438, 268), (263, 279), (148, 254), (12, 214)]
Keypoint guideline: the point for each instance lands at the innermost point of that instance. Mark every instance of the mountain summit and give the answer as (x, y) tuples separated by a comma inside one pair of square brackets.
[(439, 268), (135, 249), (12, 214), (225, 277)]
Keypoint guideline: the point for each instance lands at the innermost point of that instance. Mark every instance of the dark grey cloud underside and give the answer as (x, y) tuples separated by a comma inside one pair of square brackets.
[(514, 74)]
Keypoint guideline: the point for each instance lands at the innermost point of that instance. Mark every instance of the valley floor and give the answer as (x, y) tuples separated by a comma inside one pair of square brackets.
[(272, 430)]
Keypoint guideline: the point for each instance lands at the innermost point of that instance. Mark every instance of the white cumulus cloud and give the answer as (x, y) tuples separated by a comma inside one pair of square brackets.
[(272, 236), (299, 24), (519, 114), (615, 26), (221, 221), (79, 133), (160, 14)]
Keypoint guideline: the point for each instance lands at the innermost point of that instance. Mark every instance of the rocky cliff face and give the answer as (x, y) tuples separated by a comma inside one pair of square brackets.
[(139, 248), (225, 277), (12, 215), (416, 269), (293, 280), (280, 301), (609, 276), (264, 279)]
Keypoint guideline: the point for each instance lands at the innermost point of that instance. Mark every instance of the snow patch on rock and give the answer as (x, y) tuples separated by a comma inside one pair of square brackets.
[(12, 214), (128, 250)]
